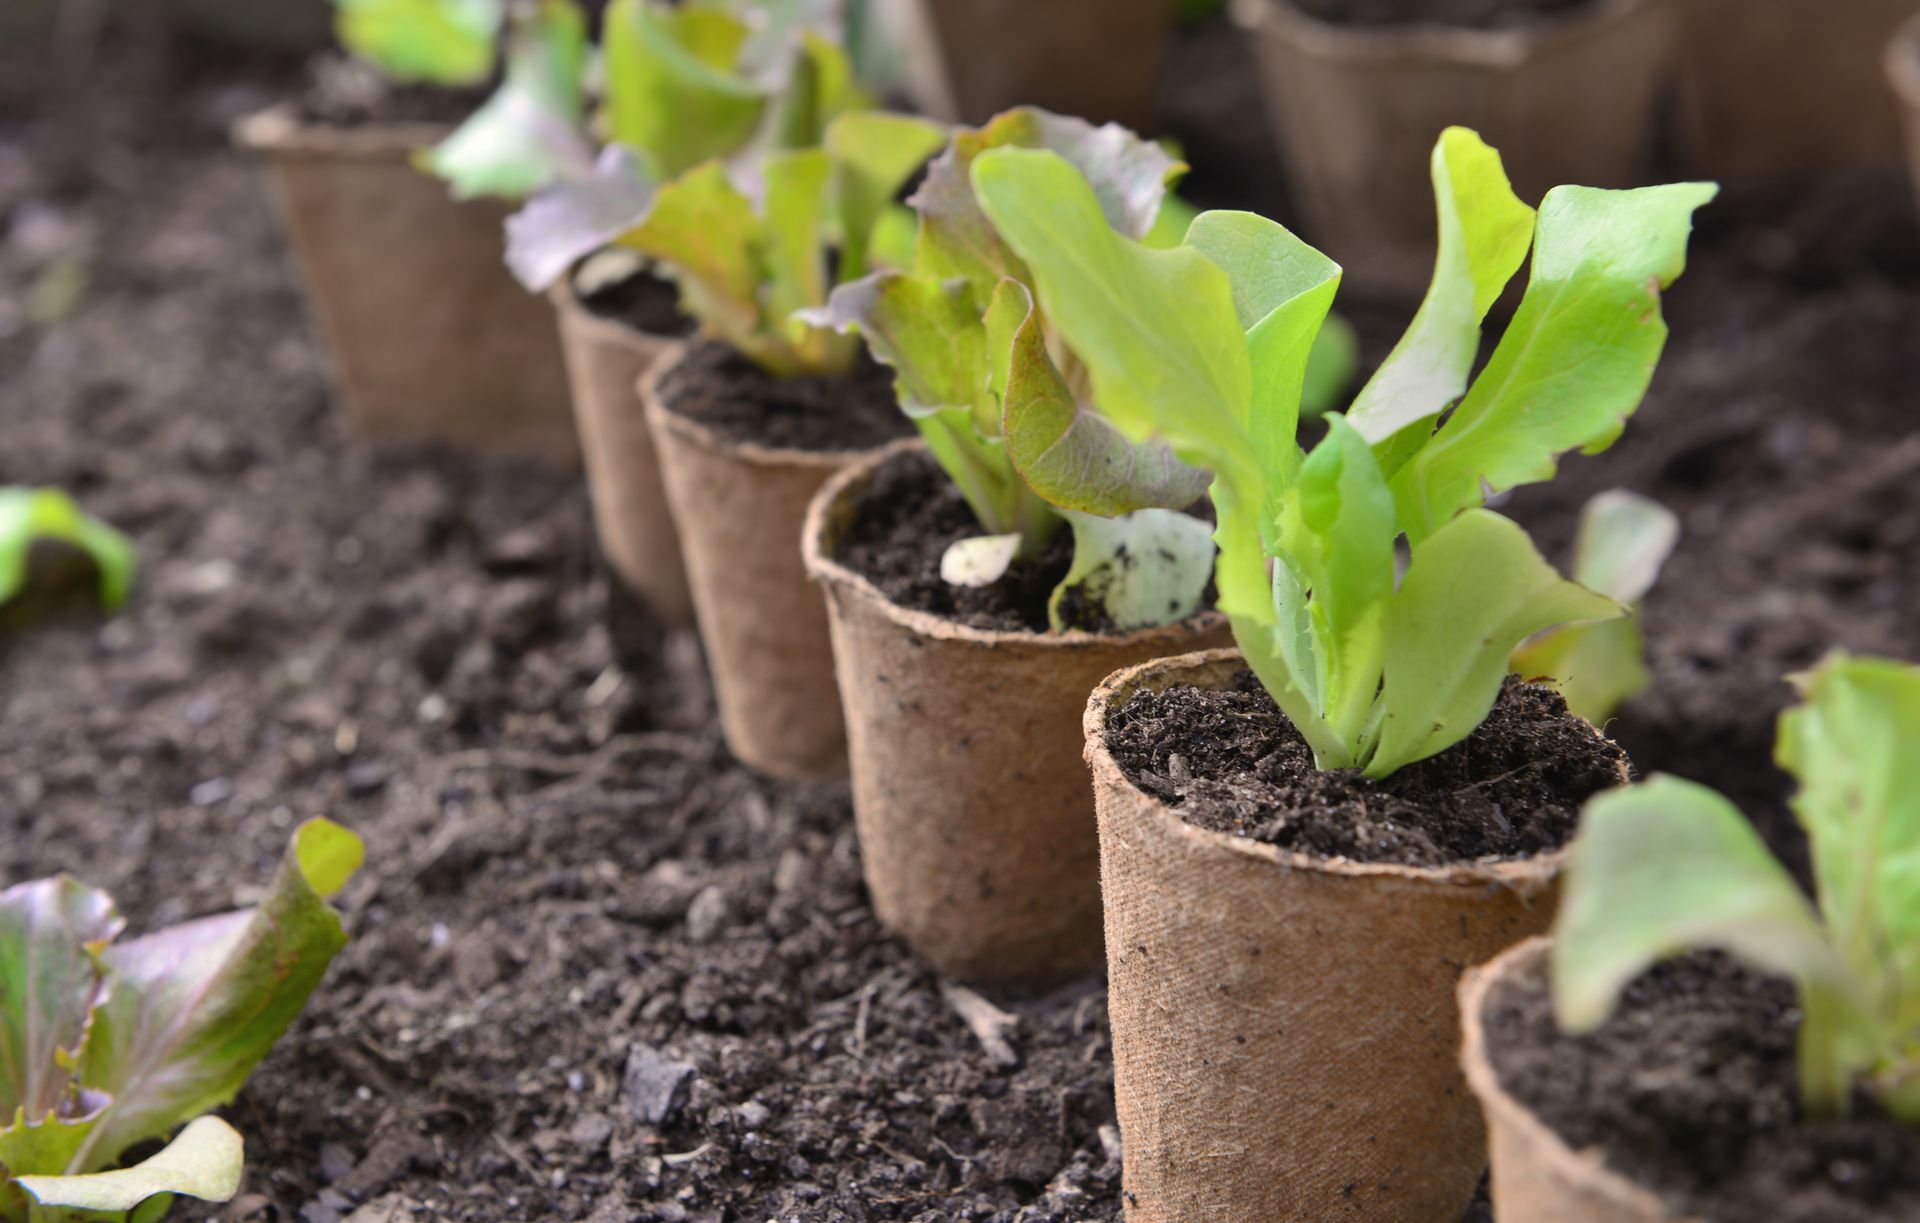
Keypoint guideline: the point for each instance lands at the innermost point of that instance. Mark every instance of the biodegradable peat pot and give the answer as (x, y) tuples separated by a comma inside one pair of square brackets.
[(1568, 99), (1285, 1042), (1784, 89), (606, 358), (1903, 71), (739, 506), (431, 339), (968, 60), (1535, 1174), (975, 821)]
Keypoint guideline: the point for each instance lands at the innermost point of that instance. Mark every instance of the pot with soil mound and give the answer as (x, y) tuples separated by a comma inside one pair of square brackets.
[(1566, 88), (968, 60), (611, 336), (430, 338), (741, 455), (1283, 942), (976, 825), (1738, 120)]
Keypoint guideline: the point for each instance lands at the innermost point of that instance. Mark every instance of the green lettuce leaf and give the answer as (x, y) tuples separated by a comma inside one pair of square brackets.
[(442, 42), (529, 133), (1575, 361), (204, 1162), (675, 94), (31, 514), (1145, 568)]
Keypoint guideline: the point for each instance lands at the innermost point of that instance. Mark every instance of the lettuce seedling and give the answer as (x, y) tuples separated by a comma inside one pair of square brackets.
[(755, 240), (104, 1044), (1623, 541), (1206, 345), (1002, 400), (31, 515), (1668, 866)]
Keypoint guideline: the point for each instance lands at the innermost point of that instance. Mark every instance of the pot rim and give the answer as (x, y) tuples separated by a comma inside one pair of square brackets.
[(278, 131), (1902, 62), (829, 572), (1529, 875), (1427, 41), (1586, 1167), (580, 316), (707, 438)]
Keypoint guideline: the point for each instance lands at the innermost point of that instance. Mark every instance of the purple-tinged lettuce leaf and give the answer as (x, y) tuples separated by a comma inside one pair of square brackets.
[(576, 216), (530, 132), (51, 935), (192, 1009)]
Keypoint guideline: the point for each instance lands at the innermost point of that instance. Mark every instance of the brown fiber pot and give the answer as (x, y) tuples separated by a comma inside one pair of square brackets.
[(431, 339), (1535, 1174), (968, 60), (1285, 1043), (605, 362), (1783, 89), (739, 507), (975, 819), (1357, 110), (1903, 71)]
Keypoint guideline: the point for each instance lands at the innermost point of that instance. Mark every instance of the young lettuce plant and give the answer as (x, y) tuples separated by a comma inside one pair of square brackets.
[(751, 243), (1205, 346), (1003, 401), (1623, 541), (31, 515), (104, 1044), (532, 129), (1668, 866)]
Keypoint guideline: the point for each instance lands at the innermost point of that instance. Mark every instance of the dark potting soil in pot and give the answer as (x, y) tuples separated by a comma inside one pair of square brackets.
[(715, 385), (1691, 1091), (1228, 760), (642, 301), (902, 525), (344, 92), (1458, 14)]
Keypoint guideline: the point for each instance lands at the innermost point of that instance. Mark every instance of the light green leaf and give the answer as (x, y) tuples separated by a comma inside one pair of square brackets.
[(1337, 539), (1148, 567), (1853, 744), (674, 93), (1064, 449), (529, 132), (193, 1008), (930, 332), (1624, 539), (443, 42), (30, 514), (1576, 360), (1667, 867), (328, 855), (1474, 590), (1282, 289), (873, 153), (1156, 329), (1485, 230), (204, 1162), (795, 253), (980, 560), (704, 233), (51, 935), (47, 1146)]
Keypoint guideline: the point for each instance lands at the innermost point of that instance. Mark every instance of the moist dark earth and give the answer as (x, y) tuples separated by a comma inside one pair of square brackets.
[(723, 390), (1228, 760), (1464, 14), (1691, 1090), (572, 894)]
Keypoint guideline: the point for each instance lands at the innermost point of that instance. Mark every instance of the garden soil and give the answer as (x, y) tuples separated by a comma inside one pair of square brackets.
[(599, 971)]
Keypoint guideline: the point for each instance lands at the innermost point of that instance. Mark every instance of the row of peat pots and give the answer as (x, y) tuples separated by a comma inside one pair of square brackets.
[(1286, 1034)]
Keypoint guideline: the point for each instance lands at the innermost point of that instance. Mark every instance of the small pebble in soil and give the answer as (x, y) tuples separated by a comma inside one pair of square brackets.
[(656, 1086)]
